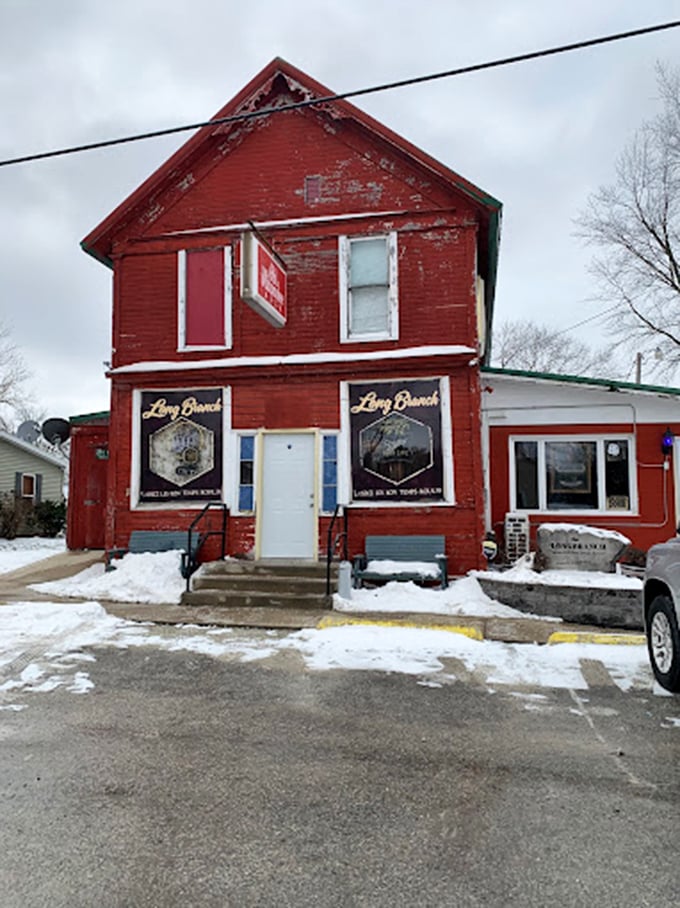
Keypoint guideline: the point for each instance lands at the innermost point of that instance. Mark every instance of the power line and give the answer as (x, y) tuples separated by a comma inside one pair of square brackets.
[(387, 86), (585, 321)]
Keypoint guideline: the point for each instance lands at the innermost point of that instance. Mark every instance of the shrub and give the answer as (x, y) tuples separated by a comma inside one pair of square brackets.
[(10, 516), (49, 517)]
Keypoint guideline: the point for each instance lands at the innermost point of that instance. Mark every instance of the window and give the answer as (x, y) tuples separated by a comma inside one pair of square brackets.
[(570, 474), (204, 299), (329, 473), (368, 288), (28, 485), (246, 478)]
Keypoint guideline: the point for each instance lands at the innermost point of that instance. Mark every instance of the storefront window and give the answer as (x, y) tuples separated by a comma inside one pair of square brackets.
[(554, 474)]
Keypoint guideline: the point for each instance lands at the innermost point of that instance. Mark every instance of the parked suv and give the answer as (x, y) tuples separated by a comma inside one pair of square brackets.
[(661, 611)]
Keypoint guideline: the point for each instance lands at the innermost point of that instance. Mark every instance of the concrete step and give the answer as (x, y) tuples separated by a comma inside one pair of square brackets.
[(261, 584), (264, 582), (267, 567), (240, 599)]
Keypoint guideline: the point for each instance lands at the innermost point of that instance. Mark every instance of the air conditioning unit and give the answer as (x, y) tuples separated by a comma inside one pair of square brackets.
[(516, 536)]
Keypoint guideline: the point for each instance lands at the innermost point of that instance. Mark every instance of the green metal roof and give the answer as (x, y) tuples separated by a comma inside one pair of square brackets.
[(89, 417), (608, 383)]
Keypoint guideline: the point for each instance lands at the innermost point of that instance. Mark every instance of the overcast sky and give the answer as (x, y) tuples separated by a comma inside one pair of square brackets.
[(539, 136)]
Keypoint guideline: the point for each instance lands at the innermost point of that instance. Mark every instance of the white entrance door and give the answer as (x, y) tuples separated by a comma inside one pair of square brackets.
[(287, 506)]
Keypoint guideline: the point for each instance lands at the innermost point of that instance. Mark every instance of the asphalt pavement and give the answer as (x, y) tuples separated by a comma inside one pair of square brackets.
[(16, 587)]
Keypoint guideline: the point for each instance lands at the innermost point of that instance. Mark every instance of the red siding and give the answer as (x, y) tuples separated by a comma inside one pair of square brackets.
[(656, 519)]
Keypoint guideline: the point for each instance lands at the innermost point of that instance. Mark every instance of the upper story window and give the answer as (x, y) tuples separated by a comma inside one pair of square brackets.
[(204, 299), (573, 474), (368, 288)]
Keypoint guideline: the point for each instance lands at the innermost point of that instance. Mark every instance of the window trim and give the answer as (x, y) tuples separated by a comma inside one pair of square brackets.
[(599, 439), (344, 254), (31, 476), (182, 346)]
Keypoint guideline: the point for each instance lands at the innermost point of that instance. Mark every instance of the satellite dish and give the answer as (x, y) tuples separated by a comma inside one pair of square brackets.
[(29, 431), (56, 431)]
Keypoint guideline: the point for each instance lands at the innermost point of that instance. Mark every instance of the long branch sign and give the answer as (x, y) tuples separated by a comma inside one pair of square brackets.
[(396, 441), (181, 446), (263, 281)]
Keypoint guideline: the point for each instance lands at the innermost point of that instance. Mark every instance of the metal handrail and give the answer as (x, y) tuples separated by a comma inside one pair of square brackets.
[(331, 546), (192, 556)]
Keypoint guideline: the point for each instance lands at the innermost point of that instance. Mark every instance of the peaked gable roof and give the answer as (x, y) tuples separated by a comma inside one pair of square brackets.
[(247, 104), (28, 448)]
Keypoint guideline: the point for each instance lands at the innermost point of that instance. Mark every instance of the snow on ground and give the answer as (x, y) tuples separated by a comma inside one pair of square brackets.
[(463, 597), (146, 577), (16, 553), (44, 646), (48, 644), (522, 572), (155, 578)]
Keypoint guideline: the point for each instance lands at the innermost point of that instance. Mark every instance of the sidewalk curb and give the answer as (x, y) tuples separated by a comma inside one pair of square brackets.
[(342, 621), (598, 638)]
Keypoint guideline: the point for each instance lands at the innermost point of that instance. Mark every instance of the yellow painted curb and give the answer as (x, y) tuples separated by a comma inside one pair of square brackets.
[(335, 621), (590, 637)]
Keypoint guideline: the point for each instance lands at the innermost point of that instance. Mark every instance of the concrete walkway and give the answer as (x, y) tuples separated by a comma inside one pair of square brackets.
[(15, 587)]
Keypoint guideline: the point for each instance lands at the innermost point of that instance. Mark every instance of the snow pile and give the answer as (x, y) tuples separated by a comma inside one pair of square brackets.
[(385, 566), (463, 597), (522, 572), (17, 553), (146, 577), (600, 532)]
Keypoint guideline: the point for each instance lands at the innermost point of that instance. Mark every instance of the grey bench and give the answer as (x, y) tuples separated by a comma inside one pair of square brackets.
[(429, 549), (158, 541)]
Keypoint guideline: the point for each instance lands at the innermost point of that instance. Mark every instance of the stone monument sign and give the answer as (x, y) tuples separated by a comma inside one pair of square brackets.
[(573, 547)]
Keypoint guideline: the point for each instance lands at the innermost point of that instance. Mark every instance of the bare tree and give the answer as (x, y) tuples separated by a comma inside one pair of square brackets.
[(13, 377), (635, 223), (522, 344)]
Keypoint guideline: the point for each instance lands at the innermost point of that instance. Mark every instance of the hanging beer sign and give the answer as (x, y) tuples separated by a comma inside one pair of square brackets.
[(263, 280)]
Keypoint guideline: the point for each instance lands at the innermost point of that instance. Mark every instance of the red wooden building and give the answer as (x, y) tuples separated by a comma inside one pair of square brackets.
[(301, 299)]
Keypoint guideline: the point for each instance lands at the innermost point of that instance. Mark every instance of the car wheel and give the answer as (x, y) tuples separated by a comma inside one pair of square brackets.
[(663, 643)]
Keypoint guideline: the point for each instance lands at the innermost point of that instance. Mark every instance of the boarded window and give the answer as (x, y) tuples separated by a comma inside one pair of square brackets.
[(204, 298)]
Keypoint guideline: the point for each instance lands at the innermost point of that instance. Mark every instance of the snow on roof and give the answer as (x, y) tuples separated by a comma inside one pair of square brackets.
[(296, 359), (32, 449)]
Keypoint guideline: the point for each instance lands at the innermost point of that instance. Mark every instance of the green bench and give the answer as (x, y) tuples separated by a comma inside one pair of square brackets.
[(159, 541), (429, 551)]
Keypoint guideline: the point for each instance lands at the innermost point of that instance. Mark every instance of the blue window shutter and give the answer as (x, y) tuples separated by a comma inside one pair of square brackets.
[(17, 484), (38, 488)]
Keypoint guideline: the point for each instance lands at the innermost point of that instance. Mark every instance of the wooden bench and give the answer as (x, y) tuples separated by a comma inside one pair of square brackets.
[(429, 551), (159, 541)]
